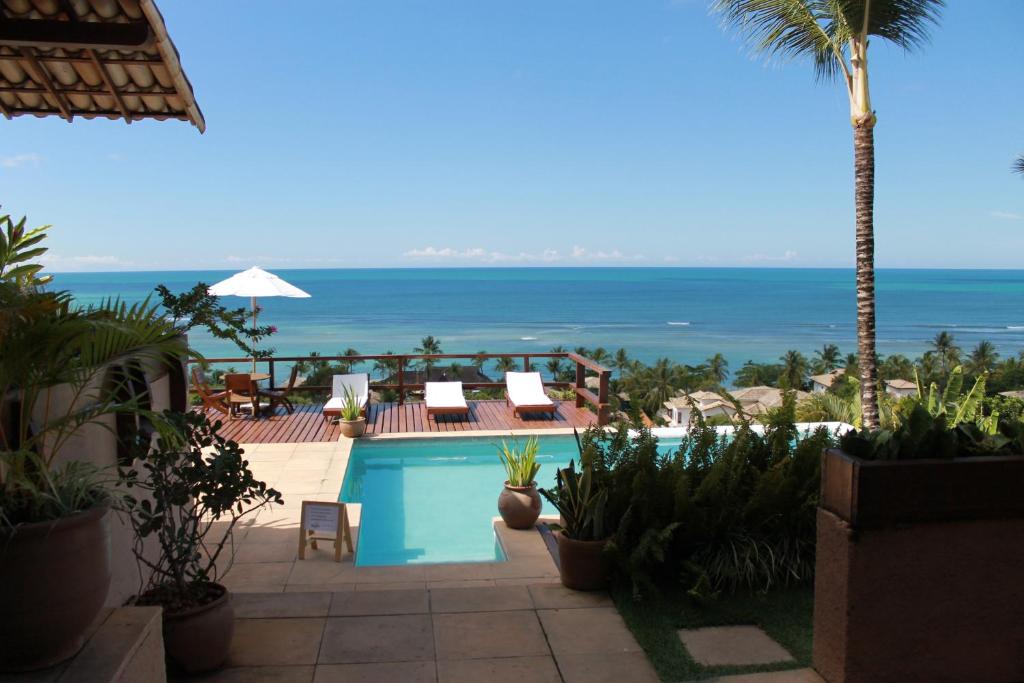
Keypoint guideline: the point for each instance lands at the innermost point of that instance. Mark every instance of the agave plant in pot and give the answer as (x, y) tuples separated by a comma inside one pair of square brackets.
[(519, 503), (62, 395), (583, 564), (352, 423), (197, 487)]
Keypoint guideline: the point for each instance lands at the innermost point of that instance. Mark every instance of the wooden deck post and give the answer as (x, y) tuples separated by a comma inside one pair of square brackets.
[(581, 382), (273, 384), (401, 380), (603, 407), (526, 363)]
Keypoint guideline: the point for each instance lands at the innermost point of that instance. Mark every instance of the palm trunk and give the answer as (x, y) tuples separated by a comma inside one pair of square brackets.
[(864, 193)]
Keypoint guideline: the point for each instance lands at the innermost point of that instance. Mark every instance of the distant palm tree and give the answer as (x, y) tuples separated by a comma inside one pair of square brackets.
[(794, 370), (1018, 165), (428, 346), (479, 361), (851, 364), (983, 357), (455, 371), (600, 355), (827, 358), (346, 366), (751, 375), (554, 367), (717, 368), (835, 35), (896, 366), (506, 364), (621, 362), (946, 350), (386, 366), (582, 351)]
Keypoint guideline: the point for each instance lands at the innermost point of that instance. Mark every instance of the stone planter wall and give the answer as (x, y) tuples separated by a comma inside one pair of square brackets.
[(918, 573)]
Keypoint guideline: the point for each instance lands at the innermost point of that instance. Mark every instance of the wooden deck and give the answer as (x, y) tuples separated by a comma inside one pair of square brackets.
[(306, 424)]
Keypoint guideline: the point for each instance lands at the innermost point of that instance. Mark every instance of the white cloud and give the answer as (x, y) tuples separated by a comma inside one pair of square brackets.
[(58, 262), (16, 160), (1006, 215), (583, 254)]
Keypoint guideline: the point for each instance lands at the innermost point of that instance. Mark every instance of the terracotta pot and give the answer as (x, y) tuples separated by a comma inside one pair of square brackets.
[(919, 556), (199, 639), (583, 564), (519, 506), (54, 578), (353, 429)]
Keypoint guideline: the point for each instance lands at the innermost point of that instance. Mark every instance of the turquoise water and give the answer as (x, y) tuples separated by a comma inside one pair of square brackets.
[(433, 500), (686, 314)]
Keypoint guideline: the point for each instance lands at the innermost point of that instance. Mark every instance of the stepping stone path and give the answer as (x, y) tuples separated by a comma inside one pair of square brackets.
[(732, 646)]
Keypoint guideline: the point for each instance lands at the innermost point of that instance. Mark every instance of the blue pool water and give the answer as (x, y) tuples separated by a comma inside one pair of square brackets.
[(433, 500)]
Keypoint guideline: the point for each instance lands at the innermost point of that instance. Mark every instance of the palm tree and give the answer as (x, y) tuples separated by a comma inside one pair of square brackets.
[(827, 358), (621, 362), (717, 368), (946, 350), (554, 367), (983, 357), (652, 386), (751, 375), (506, 364), (428, 346), (1018, 165), (896, 366), (794, 370), (479, 361), (386, 366), (836, 35), (851, 364), (347, 366), (455, 371), (600, 355)]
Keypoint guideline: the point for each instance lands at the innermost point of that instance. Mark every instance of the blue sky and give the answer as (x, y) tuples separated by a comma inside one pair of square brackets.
[(415, 133)]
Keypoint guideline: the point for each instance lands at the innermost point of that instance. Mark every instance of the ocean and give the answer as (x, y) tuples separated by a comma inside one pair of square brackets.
[(686, 314)]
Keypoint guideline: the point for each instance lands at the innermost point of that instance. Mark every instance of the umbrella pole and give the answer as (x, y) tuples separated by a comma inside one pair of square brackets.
[(253, 301)]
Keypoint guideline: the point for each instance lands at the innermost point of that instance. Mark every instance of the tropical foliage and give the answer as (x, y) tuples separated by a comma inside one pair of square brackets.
[(520, 462), (196, 307), (580, 503)]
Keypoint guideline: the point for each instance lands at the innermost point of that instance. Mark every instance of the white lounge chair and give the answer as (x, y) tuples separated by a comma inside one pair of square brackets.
[(359, 383), (445, 398), (525, 391)]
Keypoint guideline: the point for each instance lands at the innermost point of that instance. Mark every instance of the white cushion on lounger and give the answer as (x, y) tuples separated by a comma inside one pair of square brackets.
[(526, 389), (445, 395)]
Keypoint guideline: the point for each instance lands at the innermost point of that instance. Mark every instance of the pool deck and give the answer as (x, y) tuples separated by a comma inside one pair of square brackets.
[(320, 620), (307, 425)]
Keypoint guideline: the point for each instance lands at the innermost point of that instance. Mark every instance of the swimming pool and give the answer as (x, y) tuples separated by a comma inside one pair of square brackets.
[(433, 500)]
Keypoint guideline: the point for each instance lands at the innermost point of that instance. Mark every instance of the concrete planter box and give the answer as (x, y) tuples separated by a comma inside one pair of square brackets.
[(918, 572)]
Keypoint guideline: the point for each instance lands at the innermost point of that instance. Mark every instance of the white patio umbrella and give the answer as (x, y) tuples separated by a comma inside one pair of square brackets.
[(254, 283)]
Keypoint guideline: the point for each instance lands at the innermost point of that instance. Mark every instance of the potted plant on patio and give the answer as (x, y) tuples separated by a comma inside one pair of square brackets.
[(352, 423), (63, 390), (519, 502), (583, 564), (198, 486), (918, 537)]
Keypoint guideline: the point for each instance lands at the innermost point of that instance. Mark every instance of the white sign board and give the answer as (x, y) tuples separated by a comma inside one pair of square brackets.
[(322, 519), (326, 522)]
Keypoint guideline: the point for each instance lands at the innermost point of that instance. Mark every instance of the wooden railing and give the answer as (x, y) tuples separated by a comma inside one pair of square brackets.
[(398, 367)]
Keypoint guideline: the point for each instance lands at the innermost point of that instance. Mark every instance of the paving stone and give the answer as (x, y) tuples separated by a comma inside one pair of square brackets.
[(607, 668), (481, 635), (597, 630), (259, 674), (485, 599), (269, 642), (503, 670), (280, 605), (353, 640), (557, 596), (791, 676), (380, 602), (732, 646), (382, 672)]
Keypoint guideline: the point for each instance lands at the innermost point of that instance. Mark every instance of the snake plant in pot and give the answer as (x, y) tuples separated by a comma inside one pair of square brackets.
[(64, 391), (519, 503), (197, 486), (352, 423), (583, 564)]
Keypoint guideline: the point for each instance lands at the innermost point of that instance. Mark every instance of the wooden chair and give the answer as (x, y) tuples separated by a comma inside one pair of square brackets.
[(241, 391), (212, 400), (278, 397)]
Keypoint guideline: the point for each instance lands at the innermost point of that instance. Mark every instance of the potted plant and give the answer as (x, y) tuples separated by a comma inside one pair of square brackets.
[(918, 544), (198, 486), (352, 423), (583, 564), (60, 396), (519, 503)]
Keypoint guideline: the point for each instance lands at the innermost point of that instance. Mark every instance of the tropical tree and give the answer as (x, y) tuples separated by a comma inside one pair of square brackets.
[(983, 358), (826, 358), (794, 370), (851, 364), (651, 386), (896, 366), (347, 366), (600, 355), (386, 366), (946, 350), (622, 362), (835, 34), (429, 345), (1018, 165), (717, 368), (479, 361), (756, 374), (506, 364)]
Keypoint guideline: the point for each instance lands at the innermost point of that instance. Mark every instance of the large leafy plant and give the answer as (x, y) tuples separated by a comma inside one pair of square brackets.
[(580, 502), (520, 463), (57, 376), (197, 486)]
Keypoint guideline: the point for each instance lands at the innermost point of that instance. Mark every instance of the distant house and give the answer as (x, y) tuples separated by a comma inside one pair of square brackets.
[(759, 400), (899, 388), (677, 409), (467, 374), (822, 383)]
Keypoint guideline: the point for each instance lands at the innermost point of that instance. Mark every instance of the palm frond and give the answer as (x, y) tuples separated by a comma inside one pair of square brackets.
[(906, 23), (1018, 165)]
